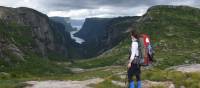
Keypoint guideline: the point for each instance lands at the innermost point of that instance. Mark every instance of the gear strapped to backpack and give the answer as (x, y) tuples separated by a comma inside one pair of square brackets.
[(145, 49)]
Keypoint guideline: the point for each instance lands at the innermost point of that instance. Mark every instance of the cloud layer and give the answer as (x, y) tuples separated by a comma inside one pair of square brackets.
[(80, 9)]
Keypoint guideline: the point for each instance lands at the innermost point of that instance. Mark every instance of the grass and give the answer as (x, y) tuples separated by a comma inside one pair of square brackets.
[(116, 56), (17, 82), (35, 66), (9, 83), (106, 84), (189, 80)]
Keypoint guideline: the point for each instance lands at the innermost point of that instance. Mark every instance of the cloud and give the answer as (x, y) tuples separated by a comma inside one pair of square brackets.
[(103, 12), (35, 4), (80, 9)]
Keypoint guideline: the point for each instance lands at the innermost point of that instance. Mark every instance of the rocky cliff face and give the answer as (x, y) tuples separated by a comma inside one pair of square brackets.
[(117, 30), (25, 30), (93, 28), (102, 34)]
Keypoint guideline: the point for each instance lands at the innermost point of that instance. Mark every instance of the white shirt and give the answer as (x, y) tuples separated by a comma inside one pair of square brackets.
[(134, 50)]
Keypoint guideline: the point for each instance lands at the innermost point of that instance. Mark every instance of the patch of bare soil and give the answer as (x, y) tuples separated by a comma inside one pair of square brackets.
[(63, 84)]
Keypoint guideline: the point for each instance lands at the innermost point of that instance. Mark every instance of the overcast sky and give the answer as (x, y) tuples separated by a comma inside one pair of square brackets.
[(80, 9)]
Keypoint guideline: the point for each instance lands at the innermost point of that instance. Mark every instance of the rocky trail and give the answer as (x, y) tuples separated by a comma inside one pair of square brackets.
[(93, 81), (63, 84), (188, 68), (87, 83)]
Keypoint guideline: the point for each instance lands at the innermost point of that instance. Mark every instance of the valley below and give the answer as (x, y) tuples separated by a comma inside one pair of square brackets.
[(39, 52)]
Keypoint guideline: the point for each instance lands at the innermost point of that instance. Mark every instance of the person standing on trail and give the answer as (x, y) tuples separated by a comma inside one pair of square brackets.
[(134, 69)]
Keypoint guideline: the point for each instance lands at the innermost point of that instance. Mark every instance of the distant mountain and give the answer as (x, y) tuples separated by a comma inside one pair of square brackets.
[(101, 34), (93, 28), (77, 23), (65, 21)]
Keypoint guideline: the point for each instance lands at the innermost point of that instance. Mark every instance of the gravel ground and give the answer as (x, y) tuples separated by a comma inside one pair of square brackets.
[(63, 84)]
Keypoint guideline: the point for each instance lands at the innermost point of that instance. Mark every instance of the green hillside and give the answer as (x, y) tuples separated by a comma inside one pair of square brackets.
[(174, 33), (31, 64), (15, 42), (11, 33)]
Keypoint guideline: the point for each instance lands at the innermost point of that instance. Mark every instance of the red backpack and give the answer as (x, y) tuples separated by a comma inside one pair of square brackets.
[(145, 50)]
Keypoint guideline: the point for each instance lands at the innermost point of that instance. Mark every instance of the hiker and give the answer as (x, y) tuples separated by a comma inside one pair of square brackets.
[(133, 68)]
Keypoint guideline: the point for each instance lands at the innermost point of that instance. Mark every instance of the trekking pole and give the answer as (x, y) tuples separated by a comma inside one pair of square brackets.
[(126, 78), (126, 81), (126, 68)]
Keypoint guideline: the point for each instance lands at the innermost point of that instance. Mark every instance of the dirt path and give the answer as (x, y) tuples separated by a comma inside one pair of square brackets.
[(63, 84), (80, 70), (69, 83), (86, 83), (187, 68)]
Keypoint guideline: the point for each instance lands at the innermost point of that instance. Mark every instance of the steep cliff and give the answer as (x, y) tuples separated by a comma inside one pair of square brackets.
[(101, 34), (25, 31), (93, 28)]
